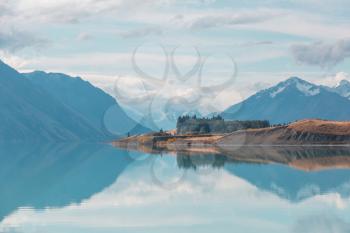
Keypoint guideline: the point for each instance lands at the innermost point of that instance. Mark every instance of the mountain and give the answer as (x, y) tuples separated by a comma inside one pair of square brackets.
[(291, 100), (55, 107), (343, 89), (89, 102), (30, 113)]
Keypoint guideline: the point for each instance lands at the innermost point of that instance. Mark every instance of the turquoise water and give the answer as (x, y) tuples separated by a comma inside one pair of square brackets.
[(98, 188)]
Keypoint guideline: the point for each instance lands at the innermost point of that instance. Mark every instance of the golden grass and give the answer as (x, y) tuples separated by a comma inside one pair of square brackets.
[(322, 127)]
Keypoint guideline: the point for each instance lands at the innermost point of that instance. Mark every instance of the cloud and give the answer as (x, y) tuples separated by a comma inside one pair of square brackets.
[(6, 8), (322, 54), (11, 40), (256, 43), (258, 86), (335, 7), (15, 33), (335, 79), (229, 19), (75, 11), (84, 36), (13, 60), (321, 224), (142, 32)]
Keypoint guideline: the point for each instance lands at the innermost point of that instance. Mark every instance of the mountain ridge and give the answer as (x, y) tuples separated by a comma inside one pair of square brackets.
[(88, 101), (291, 100), (31, 113)]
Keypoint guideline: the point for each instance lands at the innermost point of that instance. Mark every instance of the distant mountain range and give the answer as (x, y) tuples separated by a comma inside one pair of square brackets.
[(41, 106), (292, 100), (55, 107)]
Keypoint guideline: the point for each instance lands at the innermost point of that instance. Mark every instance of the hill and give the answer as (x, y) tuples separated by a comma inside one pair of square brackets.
[(301, 132)]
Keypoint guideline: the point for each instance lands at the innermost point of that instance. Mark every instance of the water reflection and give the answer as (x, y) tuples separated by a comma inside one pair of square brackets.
[(47, 176), (294, 173), (99, 188)]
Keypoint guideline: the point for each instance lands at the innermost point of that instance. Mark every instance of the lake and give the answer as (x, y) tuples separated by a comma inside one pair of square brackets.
[(74, 188)]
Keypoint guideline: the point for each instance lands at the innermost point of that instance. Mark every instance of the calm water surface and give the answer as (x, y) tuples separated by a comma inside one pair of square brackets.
[(99, 188)]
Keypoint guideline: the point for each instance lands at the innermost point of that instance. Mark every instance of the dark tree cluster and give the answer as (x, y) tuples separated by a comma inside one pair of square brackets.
[(215, 124), (185, 118), (280, 124)]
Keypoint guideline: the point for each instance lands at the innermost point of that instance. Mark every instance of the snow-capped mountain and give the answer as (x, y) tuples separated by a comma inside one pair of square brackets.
[(343, 89), (302, 87), (292, 100)]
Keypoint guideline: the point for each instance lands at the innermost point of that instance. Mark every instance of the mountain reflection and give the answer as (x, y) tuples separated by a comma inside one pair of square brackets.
[(48, 176), (294, 173), (42, 176)]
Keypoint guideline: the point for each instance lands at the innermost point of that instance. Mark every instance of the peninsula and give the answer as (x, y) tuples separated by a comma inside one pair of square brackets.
[(192, 132)]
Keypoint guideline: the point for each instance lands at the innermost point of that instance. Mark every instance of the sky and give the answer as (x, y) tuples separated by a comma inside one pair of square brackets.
[(208, 52)]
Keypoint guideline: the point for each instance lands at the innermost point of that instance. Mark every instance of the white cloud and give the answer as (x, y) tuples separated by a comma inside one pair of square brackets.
[(73, 11), (230, 18), (324, 223), (142, 32), (14, 61), (13, 36), (304, 24), (5, 8), (324, 6), (103, 63), (83, 36), (334, 80), (13, 40)]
